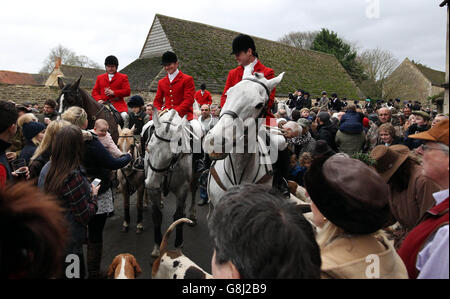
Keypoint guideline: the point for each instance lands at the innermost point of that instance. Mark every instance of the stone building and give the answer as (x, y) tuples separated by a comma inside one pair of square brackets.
[(204, 53), (72, 73), (412, 81)]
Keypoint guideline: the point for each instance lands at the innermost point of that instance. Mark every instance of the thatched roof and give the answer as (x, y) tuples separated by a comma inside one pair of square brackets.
[(204, 53)]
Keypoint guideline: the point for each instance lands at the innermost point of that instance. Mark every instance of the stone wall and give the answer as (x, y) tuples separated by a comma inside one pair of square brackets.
[(28, 93), (39, 93)]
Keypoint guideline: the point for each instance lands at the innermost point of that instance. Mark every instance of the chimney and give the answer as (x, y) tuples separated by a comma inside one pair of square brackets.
[(57, 62)]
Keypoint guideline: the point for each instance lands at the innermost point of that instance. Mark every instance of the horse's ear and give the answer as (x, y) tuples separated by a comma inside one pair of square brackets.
[(60, 83), (77, 84), (119, 129), (156, 118), (271, 84), (133, 128)]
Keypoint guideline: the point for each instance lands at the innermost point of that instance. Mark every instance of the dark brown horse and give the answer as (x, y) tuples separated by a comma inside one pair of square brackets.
[(73, 95)]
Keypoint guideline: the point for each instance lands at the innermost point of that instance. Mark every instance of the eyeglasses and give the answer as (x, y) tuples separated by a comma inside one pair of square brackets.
[(428, 148), (205, 110)]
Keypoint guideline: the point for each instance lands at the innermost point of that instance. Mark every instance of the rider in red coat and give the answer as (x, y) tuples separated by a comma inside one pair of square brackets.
[(245, 51), (203, 97), (176, 90), (112, 86)]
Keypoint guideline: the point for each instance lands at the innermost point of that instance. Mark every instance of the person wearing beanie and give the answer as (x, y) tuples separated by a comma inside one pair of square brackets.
[(112, 87), (425, 250), (137, 117), (33, 133), (350, 205)]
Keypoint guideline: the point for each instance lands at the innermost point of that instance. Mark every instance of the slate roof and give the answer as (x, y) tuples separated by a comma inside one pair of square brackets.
[(204, 53)]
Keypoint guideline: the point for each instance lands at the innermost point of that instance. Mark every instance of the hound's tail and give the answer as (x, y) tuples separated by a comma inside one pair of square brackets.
[(163, 247)]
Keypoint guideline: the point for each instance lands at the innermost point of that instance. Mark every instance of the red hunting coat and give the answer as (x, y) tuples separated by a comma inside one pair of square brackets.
[(178, 95), (235, 76), (204, 99), (119, 84)]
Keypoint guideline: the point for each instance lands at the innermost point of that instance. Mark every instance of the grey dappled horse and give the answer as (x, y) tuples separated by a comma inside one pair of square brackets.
[(168, 169), (247, 101)]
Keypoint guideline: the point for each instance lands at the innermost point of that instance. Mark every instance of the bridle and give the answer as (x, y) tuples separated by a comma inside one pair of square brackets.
[(67, 91), (234, 115), (263, 111), (167, 170)]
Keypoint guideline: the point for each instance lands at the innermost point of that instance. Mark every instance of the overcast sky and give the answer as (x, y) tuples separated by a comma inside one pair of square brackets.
[(29, 29)]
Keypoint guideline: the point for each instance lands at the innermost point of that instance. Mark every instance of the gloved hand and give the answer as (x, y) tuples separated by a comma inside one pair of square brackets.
[(162, 112)]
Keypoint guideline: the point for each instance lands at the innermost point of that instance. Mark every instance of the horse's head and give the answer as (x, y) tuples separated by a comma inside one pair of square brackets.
[(246, 102), (126, 139), (69, 95), (167, 143)]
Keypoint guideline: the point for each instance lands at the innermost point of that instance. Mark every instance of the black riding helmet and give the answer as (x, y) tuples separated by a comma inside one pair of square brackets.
[(111, 60), (168, 58), (243, 42)]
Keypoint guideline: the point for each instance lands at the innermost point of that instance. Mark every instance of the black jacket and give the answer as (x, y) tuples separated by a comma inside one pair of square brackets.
[(336, 105), (137, 120), (327, 132), (37, 164), (98, 162)]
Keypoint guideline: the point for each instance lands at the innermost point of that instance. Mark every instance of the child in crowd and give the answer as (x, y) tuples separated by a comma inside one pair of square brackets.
[(101, 130)]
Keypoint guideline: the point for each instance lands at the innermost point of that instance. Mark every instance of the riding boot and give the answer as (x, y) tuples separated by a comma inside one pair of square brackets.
[(281, 168), (203, 180), (94, 258)]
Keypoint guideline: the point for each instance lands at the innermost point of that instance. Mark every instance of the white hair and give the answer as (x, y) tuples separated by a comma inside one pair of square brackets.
[(294, 126)]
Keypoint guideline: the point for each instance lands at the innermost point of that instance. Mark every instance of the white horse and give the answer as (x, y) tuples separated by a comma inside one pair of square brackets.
[(246, 104), (168, 168)]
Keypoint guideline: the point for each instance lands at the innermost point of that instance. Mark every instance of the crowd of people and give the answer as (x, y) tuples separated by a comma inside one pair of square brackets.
[(374, 173)]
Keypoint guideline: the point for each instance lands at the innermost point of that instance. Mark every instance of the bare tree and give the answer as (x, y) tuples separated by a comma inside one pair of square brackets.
[(378, 65), (68, 57), (301, 40)]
